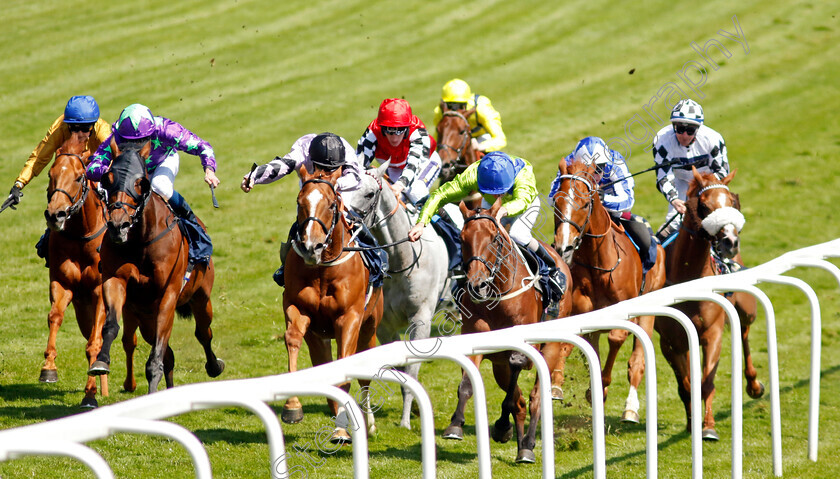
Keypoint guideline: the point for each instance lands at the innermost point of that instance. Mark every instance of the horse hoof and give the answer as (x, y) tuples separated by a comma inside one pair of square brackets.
[(292, 416), (752, 394), (214, 369), (340, 436), (99, 368), (556, 393), (501, 436), (710, 435), (454, 432), (526, 456), (48, 376), (630, 416), (89, 403)]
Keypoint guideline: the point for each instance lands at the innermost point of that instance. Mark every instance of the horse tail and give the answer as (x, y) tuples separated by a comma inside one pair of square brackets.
[(184, 311)]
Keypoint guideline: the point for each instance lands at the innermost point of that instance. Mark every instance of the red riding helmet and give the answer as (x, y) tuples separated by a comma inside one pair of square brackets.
[(394, 112)]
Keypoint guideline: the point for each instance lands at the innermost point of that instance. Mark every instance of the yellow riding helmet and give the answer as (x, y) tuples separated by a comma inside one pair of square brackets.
[(456, 91)]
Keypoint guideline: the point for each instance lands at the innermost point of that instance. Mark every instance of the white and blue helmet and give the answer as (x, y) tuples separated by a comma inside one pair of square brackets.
[(592, 150), (687, 111)]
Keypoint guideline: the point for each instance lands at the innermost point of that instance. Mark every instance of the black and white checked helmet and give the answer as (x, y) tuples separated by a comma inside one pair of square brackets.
[(687, 111)]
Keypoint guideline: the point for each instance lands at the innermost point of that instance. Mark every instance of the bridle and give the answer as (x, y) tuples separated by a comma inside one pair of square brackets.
[(328, 230), (465, 135), (79, 198), (498, 239)]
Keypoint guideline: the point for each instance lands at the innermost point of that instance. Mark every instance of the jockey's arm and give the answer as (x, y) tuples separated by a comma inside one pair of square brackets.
[(524, 192), (43, 153), (491, 120), (420, 148), (435, 121)]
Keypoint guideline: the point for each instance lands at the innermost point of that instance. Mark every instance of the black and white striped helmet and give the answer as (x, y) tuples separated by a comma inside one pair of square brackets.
[(687, 111)]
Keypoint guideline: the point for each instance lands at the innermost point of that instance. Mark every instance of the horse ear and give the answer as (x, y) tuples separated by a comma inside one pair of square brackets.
[(465, 212), (729, 177), (304, 175), (443, 106), (334, 175), (115, 150), (496, 205), (146, 150), (469, 112), (697, 176), (107, 180), (383, 168)]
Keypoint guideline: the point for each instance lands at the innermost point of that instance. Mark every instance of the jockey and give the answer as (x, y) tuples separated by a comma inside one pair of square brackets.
[(498, 175), (487, 134), (397, 135), (687, 141), (135, 126), (616, 187), (324, 152), (80, 119)]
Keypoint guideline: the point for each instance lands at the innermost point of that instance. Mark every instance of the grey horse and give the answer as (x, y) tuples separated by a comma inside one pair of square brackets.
[(418, 271)]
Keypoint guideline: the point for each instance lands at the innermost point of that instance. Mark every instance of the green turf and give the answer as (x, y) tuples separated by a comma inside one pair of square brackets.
[(250, 76)]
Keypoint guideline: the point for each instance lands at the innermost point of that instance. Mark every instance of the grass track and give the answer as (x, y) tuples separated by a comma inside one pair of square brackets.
[(251, 76)]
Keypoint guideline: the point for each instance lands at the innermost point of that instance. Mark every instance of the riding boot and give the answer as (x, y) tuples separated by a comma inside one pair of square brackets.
[(42, 247), (642, 235), (278, 275), (200, 245), (375, 257), (556, 278)]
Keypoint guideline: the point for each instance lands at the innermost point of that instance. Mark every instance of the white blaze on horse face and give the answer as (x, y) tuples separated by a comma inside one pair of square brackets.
[(313, 199)]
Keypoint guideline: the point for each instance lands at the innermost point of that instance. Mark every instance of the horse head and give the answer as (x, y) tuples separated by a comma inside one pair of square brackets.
[(128, 187), (489, 258), (364, 200), (454, 142), (574, 203), (67, 177), (317, 217), (713, 211)]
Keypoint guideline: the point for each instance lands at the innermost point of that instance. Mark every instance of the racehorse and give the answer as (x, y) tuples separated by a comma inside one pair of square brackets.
[(455, 147), (502, 294), (327, 294), (710, 231), (605, 266), (75, 216), (144, 264), (418, 270)]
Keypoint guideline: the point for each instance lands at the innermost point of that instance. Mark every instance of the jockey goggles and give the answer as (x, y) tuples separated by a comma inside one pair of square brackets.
[(455, 106), (688, 129), (394, 130), (74, 127)]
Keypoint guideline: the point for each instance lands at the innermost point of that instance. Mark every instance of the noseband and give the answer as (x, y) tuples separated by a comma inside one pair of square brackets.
[(495, 267)]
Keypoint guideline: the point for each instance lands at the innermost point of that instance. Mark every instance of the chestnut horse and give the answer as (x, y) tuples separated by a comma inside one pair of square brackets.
[(605, 266), (327, 294), (502, 294), (455, 147), (75, 216), (710, 229), (144, 264)]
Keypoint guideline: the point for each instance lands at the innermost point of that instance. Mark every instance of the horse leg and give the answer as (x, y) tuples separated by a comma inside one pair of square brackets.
[(710, 340), (296, 326), (673, 342), (455, 430), (635, 372), (529, 442), (60, 298), (169, 367), (202, 310), (421, 328), (113, 291), (555, 355), (593, 339), (87, 316), (513, 404), (129, 342), (746, 306), (615, 339), (161, 331)]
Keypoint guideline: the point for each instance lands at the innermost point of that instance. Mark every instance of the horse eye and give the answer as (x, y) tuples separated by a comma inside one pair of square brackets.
[(369, 195)]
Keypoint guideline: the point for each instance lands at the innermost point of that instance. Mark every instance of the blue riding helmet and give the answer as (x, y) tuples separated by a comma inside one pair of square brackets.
[(136, 121), (496, 173), (592, 150), (81, 109)]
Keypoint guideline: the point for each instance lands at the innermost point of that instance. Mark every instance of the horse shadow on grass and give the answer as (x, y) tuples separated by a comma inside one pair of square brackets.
[(64, 399)]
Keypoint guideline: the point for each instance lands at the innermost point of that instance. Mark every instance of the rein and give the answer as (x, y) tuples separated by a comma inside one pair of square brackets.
[(76, 200), (329, 231), (466, 135)]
